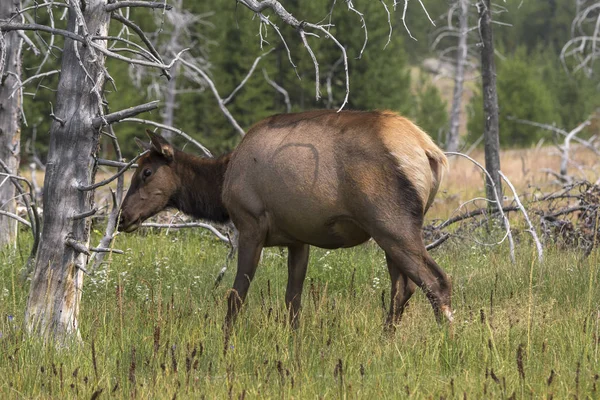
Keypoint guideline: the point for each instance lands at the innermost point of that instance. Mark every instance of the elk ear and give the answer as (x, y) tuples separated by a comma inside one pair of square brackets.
[(161, 145), (142, 145)]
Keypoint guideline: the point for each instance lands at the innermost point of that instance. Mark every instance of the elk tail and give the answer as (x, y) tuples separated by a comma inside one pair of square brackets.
[(439, 165)]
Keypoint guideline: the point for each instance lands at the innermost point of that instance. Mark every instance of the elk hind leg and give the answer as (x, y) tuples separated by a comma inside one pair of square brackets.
[(297, 265), (402, 290), (414, 261)]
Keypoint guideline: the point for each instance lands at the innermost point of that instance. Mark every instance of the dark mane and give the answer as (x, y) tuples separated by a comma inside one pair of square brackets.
[(197, 173)]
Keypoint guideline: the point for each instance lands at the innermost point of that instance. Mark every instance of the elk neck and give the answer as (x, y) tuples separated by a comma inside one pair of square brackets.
[(201, 186)]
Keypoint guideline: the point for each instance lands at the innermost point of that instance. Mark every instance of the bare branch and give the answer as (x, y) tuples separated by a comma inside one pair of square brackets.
[(61, 121), (471, 214), (34, 217), (259, 6), (315, 62), (555, 129), (85, 214), (111, 163), (344, 55), (497, 201), (149, 4), (143, 38), (188, 225), (5, 27), (404, 19), (389, 18), (15, 216), (213, 88), (289, 53), (113, 217), (248, 75), (106, 250), (364, 24), (120, 115), (77, 246), (172, 129), (18, 86), (438, 242), (286, 96), (531, 229), (115, 176), (31, 45)]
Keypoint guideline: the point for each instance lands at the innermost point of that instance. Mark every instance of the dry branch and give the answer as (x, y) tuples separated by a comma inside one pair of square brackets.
[(213, 88), (286, 96), (149, 4), (497, 201), (16, 217), (438, 242), (112, 163), (172, 129), (211, 228), (120, 115), (115, 176), (130, 24), (113, 217), (531, 229), (301, 26)]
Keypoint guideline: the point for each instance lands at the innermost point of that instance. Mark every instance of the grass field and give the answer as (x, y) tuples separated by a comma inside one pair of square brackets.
[(151, 319), (151, 328)]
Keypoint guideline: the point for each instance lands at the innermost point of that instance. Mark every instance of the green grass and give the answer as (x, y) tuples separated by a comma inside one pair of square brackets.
[(151, 327)]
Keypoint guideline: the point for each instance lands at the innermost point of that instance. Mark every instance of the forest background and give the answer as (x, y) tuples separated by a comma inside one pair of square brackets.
[(533, 84)]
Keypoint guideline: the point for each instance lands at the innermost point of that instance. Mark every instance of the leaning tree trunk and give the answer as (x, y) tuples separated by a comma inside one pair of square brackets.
[(490, 101), (55, 293), (168, 115), (10, 128), (459, 77)]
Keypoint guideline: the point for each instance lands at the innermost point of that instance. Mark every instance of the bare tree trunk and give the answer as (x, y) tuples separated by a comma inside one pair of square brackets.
[(55, 293), (168, 115), (490, 100), (10, 124), (459, 78)]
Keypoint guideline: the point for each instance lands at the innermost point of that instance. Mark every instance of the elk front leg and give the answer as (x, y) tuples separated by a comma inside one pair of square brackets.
[(248, 255), (297, 264)]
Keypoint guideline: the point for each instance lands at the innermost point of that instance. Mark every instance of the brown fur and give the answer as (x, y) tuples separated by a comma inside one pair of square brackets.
[(317, 178)]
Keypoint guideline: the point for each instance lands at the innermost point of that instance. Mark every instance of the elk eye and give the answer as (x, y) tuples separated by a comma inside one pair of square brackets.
[(147, 172)]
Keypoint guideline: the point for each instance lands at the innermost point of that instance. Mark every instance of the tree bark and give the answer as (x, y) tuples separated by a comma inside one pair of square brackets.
[(55, 292), (490, 101), (168, 115), (453, 137), (10, 124)]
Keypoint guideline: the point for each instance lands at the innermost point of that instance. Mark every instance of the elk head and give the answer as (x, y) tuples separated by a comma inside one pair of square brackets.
[(153, 184)]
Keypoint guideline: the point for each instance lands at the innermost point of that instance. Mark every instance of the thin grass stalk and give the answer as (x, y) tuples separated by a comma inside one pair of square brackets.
[(530, 305), (593, 266)]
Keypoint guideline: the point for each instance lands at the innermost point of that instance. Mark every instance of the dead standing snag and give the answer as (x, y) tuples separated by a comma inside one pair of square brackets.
[(316, 178)]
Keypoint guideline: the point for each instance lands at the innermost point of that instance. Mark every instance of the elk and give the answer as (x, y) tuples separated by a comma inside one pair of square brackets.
[(319, 178)]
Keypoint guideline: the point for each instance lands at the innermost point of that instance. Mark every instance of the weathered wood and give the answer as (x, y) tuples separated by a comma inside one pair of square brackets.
[(453, 137), (56, 287), (10, 124), (491, 131)]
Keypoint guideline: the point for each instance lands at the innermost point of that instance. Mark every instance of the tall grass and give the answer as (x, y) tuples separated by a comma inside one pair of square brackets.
[(151, 328)]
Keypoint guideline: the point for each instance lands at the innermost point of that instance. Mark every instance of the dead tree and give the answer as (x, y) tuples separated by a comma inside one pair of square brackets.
[(10, 125), (78, 121), (491, 131), (56, 286), (452, 139), (582, 51)]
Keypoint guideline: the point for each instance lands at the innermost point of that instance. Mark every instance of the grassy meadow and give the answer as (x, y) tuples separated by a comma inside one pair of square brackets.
[(151, 328), (151, 321)]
